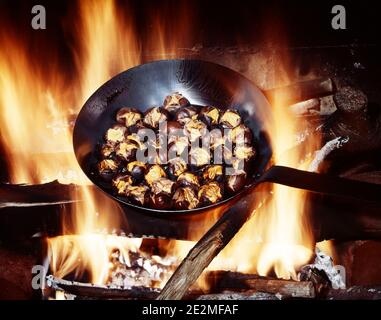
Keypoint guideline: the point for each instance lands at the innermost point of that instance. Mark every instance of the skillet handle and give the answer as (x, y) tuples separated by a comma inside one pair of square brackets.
[(323, 183)]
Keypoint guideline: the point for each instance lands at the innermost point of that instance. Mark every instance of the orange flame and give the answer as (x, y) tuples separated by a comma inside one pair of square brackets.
[(34, 114)]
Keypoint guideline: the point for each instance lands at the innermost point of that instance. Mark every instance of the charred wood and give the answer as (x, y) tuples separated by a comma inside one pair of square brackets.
[(225, 280), (206, 249)]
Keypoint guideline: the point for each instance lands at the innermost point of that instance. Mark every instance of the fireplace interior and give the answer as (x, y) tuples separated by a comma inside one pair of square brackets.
[(329, 82)]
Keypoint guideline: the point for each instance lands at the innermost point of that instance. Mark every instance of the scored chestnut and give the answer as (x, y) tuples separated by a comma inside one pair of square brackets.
[(244, 152), (136, 139), (241, 135), (115, 134), (137, 170), (121, 182), (107, 151), (216, 138), (128, 116), (234, 183), (160, 201), (230, 119), (185, 198), (186, 114), (209, 115), (213, 173), (153, 173), (162, 186), (137, 128), (210, 193), (188, 179), (154, 116), (176, 167), (174, 130), (175, 102), (178, 156), (177, 147), (195, 129), (126, 150), (199, 157), (107, 168), (138, 194)]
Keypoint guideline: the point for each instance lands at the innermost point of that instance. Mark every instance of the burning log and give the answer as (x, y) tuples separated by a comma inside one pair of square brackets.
[(202, 254), (226, 285), (315, 108), (225, 280), (264, 291), (103, 292), (302, 91), (52, 193), (355, 293), (233, 295)]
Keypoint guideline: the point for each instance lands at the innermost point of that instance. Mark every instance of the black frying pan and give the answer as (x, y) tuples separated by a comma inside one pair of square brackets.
[(203, 83)]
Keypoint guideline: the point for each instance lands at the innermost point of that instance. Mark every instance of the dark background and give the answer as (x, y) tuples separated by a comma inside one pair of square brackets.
[(217, 23), (214, 23)]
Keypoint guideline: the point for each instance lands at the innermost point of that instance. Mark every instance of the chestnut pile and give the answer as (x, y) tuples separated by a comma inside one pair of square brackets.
[(202, 155)]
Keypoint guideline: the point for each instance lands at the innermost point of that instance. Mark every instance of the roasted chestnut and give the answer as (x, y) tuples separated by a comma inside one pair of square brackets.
[(162, 186), (154, 158), (126, 150), (121, 183), (199, 157), (241, 135), (136, 139), (107, 151), (234, 183), (213, 173), (137, 170), (244, 152), (177, 147), (168, 158), (209, 115), (154, 116), (128, 116), (230, 119), (153, 173), (195, 129), (115, 134), (227, 155), (216, 138), (108, 168), (175, 102), (210, 193), (160, 201), (188, 179), (176, 167), (174, 131), (138, 194), (185, 199), (186, 114), (137, 128)]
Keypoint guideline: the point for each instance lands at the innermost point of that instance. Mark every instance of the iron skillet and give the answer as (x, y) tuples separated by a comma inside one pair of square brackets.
[(203, 83)]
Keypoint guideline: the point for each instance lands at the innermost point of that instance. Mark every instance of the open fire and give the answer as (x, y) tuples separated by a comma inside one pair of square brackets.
[(36, 115)]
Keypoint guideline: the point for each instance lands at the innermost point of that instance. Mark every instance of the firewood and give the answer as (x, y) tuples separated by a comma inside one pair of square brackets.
[(202, 254), (52, 193), (355, 293), (302, 91), (84, 290), (233, 295), (224, 280)]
